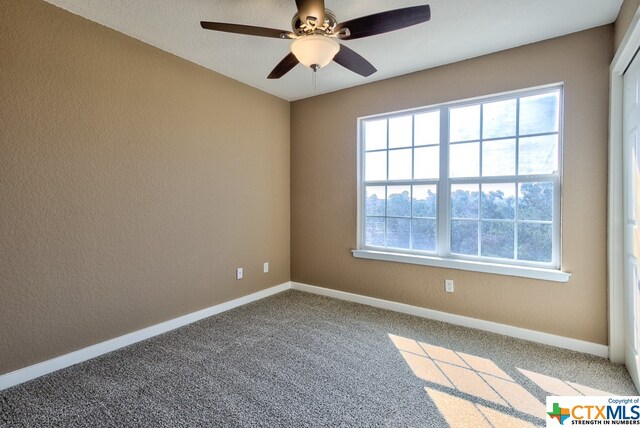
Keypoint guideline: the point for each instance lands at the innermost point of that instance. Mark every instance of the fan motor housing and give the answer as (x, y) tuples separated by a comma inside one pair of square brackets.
[(301, 28)]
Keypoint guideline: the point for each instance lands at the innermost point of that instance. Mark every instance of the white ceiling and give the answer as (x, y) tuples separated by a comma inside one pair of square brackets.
[(458, 30)]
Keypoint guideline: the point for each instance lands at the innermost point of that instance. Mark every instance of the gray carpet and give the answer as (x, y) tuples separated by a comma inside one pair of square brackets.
[(300, 360)]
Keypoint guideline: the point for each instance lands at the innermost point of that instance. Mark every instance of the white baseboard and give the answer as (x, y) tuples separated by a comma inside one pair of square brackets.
[(507, 330), (45, 367)]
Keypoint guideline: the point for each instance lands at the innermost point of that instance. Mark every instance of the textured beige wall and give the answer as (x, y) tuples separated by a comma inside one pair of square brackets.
[(132, 183), (323, 185), (625, 16)]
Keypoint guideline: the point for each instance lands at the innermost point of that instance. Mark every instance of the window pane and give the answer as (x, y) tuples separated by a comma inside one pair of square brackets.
[(399, 201), (423, 234), (398, 232), (375, 134), (374, 231), (400, 131), (375, 200), (538, 155), (464, 237), (425, 201), (498, 201), (539, 113), (499, 119), (498, 158), (497, 239), (535, 201), (464, 160), (427, 128), (464, 123), (400, 164), (375, 166), (426, 162), (534, 242), (464, 201)]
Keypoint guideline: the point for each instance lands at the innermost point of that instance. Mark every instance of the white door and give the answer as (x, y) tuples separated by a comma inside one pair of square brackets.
[(631, 185)]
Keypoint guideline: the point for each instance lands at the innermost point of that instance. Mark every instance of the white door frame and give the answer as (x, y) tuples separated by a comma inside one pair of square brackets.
[(615, 226)]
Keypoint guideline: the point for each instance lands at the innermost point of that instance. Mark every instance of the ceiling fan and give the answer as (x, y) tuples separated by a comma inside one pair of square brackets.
[(316, 31)]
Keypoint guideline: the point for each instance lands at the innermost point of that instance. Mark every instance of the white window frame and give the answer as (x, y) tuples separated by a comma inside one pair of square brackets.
[(442, 257)]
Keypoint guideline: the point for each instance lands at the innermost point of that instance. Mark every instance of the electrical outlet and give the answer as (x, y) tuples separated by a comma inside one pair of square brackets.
[(265, 267), (448, 285), (239, 273)]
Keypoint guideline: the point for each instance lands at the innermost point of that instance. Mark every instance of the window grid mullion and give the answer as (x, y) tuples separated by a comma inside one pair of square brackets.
[(517, 203), (411, 217), (387, 150), (555, 226), (386, 189), (362, 219), (402, 183), (503, 179), (504, 137), (443, 232), (413, 174), (386, 200), (413, 150), (479, 225), (480, 145), (557, 201)]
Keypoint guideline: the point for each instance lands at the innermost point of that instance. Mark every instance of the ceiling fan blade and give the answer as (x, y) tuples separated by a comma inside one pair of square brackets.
[(284, 66), (311, 8), (384, 22), (245, 29), (354, 61)]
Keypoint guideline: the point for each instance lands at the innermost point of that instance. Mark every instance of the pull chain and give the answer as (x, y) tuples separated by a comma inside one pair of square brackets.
[(314, 79)]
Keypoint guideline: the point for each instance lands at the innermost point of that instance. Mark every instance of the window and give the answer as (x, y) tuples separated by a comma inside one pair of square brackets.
[(475, 181)]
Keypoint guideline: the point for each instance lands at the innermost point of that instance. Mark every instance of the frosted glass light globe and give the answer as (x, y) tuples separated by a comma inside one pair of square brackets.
[(315, 51)]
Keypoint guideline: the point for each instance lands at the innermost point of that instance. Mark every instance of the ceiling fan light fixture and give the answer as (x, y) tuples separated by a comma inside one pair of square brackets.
[(315, 51), (316, 31)]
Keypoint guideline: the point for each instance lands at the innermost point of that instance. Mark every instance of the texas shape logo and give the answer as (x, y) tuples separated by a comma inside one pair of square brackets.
[(559, 413)]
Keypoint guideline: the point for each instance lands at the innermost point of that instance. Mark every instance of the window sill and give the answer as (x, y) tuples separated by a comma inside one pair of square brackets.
[(495, 268)]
